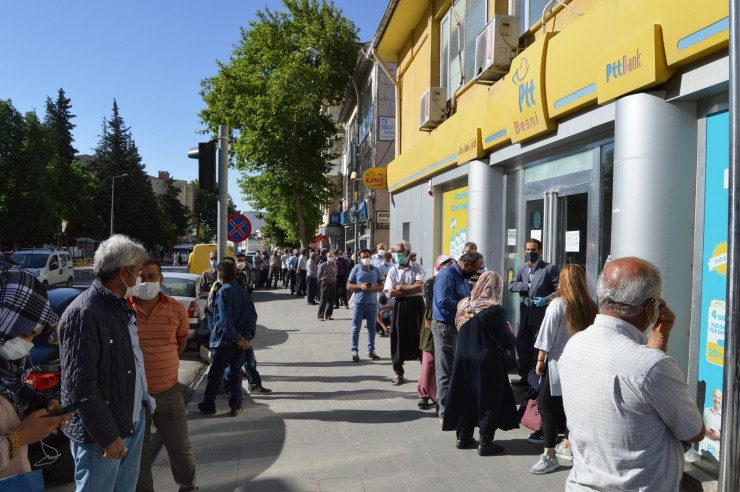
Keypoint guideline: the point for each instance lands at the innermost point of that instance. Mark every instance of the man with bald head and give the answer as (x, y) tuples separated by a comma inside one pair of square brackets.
[(627, 402)]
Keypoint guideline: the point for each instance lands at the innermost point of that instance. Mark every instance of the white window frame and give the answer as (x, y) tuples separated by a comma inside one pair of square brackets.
[(455, 70)]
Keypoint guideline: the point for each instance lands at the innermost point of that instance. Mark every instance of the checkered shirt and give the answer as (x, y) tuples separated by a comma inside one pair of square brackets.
[(627, 407)]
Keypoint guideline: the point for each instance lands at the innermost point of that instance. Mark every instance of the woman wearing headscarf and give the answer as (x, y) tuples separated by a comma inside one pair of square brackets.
[(427, 387), (480, 394), (572, 311), (24, 312)]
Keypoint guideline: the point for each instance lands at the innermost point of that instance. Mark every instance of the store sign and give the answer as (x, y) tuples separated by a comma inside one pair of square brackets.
[(386, 128), (375, 178), (527, 77), (382, 220)]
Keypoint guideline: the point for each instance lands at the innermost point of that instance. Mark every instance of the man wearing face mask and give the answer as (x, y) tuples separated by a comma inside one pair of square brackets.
[(101, 358), (405, 283), (163, 325), (627, 402), (451, 287), (377, 259), (365, 281), (208, 277), (536, 281)]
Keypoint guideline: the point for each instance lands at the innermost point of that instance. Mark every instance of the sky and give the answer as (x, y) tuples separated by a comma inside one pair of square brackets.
[(148, 55)]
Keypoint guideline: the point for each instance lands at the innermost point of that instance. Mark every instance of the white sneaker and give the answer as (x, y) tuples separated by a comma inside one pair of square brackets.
[(563, 453), (545, 465)]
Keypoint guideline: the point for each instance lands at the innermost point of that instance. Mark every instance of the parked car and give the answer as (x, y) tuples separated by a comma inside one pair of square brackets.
[(49, 266), (182, 286), (45, 377)]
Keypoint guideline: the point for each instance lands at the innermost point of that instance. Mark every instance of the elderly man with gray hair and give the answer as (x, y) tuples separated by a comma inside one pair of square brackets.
[(627, 402), (405, 283), (101, 360)]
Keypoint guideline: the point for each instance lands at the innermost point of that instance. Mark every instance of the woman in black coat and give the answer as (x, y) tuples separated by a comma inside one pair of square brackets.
[(480, 394)]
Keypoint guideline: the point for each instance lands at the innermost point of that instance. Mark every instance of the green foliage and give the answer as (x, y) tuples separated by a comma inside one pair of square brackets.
[(271, 93), (206, 207), (134, 199)]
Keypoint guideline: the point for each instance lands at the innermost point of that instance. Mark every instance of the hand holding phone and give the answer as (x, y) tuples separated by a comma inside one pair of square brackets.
[(72, 406)]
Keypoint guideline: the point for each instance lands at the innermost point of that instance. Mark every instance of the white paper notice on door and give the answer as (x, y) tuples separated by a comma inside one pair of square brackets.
[(511, 237), (536, 234), (572, 241)]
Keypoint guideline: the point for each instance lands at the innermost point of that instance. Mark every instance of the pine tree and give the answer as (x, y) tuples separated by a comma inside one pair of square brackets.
[(116, 155)]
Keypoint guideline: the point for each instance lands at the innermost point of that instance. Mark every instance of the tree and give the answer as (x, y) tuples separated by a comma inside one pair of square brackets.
[(174, 216), (271, 94), (115, 155), (26, 215), (206, 211), (71, 187)]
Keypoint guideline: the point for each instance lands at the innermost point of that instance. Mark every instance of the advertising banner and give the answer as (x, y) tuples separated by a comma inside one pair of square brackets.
[(454, 221)]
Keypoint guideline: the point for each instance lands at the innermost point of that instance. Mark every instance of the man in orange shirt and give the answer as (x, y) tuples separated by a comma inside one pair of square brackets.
[(163, 333)]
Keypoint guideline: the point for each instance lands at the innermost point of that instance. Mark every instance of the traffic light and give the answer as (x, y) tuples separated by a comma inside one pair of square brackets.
[(206, 155)]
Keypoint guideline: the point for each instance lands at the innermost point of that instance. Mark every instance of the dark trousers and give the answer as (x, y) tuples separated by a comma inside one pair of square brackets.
[(311, 284), (552, 413), (292, 277), (272, 280), (250, 368), (328, 291), (445, 341), (341, 296), (284, 277), (525, 338), (301, 281), (232, 357)]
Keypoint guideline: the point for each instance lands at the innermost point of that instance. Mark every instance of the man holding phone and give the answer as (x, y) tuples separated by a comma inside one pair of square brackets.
[(163, 332), (365, 281)]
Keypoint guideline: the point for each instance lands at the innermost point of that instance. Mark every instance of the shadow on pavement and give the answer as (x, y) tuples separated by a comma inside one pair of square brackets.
[(360, 416)]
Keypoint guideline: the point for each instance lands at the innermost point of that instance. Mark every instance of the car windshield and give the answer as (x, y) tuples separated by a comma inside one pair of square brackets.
[(181, 287), (30, 260)]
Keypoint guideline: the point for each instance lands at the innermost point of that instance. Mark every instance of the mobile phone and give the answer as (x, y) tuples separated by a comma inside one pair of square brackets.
[(73, 406), (368, 284)]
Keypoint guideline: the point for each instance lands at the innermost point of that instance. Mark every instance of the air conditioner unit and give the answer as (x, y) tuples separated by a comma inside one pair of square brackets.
[(433, 105), (495, 47)]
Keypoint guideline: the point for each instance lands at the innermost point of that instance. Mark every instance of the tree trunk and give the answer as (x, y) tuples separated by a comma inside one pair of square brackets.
[(300, 220)]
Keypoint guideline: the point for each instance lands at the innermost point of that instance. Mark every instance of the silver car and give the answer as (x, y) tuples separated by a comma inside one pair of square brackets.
[(182, 286)]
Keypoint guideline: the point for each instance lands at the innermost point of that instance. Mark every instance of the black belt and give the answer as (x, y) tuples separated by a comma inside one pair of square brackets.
[(443, 323)]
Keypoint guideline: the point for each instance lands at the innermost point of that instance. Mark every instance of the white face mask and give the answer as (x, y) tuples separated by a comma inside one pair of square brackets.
[(653, 322), (131, 289), (381, 252), (330, 259), (240, 265), (147, 290), (365, 261), (15, 348)]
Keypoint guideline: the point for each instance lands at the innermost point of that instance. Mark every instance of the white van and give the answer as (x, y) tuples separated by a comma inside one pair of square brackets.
[(49, 266)]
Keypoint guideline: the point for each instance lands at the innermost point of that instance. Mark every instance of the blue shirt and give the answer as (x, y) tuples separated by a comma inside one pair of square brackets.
[(360, 276), (234, 316), (449, 289)]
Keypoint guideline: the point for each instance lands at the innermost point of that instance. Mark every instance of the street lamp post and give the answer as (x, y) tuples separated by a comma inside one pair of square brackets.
[(112, 196), (356, 172)]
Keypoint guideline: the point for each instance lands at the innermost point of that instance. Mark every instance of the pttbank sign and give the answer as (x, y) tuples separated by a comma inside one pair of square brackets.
[(623, 66)]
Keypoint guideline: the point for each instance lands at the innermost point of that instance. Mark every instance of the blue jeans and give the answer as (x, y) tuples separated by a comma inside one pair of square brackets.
[(250, 367), (94, 473), (232, 357), (369, 313)]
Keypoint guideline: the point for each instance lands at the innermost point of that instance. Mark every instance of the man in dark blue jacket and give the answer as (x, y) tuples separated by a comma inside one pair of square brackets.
[(234, 324), (101, 358)]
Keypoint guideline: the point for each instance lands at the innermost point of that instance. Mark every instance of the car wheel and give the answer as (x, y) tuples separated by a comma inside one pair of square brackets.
[(63, 469), (70, 282)]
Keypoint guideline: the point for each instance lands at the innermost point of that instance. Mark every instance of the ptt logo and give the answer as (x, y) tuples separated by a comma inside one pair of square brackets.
[(526, 89), (624, 65)]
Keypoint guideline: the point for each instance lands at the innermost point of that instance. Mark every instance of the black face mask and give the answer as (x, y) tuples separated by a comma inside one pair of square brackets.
[(531, 257)]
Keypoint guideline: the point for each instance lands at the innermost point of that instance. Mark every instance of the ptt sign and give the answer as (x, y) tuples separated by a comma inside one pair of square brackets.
[(526, 95)]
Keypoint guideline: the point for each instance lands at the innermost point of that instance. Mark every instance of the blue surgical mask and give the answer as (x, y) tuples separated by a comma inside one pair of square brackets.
[(214, 263)]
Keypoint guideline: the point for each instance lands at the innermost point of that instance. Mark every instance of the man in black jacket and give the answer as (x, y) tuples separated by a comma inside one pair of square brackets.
[(536, 281), (101, 358)]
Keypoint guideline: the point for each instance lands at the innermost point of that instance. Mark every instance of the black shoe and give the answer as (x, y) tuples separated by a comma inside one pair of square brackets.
[(488, 448), (425, 404), (520, 382), (204, 409), (537, 437), (465, 440), (313, 304)]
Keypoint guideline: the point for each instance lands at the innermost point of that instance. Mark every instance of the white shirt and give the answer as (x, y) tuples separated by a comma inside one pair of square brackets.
[(628, 407), (397, 275), (285, 259), (552, 338)]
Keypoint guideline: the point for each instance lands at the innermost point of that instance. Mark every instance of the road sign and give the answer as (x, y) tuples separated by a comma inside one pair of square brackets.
[(238, 228)]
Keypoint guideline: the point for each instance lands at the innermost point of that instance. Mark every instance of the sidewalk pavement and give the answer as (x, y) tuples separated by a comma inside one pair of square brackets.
[(335, 425)]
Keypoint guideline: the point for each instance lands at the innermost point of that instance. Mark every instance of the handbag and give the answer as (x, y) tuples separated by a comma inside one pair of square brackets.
[(508, 354), (531, 418)]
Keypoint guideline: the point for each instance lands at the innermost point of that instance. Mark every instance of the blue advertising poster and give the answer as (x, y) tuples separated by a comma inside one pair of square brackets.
[(714, 278)]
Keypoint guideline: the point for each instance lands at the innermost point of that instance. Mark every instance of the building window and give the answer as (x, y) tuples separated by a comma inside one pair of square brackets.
[(530, 13), (458, 30)]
